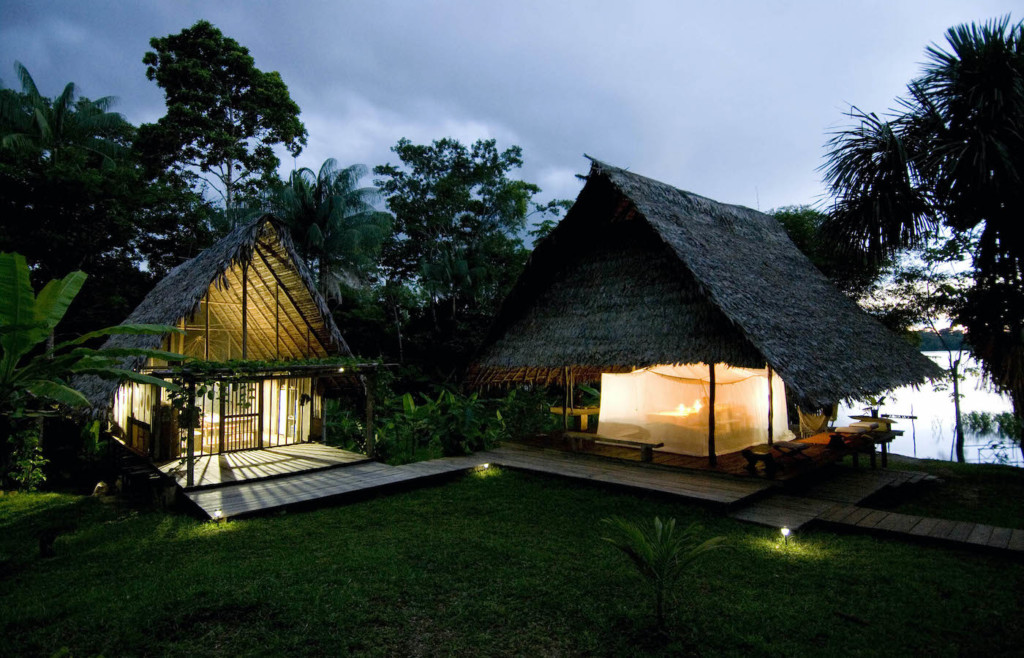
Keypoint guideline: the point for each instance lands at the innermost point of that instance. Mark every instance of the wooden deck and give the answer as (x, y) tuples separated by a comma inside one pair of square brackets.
[(693, 485), (831, 502), (266, 463), (332, 485), (816, 456)]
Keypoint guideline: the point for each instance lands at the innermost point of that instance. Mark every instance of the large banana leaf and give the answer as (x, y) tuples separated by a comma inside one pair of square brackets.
[(130, 329), (53, 300), (57, 392), (17, 308)]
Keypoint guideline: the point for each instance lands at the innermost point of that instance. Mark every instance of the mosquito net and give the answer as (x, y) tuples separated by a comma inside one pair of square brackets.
[(669, 404)]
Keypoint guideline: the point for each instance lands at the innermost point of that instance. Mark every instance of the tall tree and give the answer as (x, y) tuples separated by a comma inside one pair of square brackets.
[(73, 196), (224, 115), (335, 223), (952, 155), (458, 220), (53, 127)]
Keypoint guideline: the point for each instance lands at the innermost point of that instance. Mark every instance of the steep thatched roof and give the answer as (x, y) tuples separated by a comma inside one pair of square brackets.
[(267, 248), (641, 273)]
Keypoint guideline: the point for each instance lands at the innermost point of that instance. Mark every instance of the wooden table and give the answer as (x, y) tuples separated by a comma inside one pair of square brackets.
[(581, 412)]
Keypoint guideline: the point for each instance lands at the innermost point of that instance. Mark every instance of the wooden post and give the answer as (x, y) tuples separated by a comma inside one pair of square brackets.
[(370, 382), (245, 319), (206, 338), (566, 397), (223, 412), (259, 417), (277, 320), (712, 458), (771, 410), (190, 441)]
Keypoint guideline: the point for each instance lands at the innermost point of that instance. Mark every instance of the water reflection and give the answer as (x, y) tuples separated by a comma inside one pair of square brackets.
[(930, 435)]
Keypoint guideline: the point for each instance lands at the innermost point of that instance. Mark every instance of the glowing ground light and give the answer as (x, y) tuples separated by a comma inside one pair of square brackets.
[(341, 370), (218, 516), (785, 534)]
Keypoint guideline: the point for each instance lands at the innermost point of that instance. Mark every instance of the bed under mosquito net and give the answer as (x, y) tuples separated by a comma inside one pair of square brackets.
[(669, 404)]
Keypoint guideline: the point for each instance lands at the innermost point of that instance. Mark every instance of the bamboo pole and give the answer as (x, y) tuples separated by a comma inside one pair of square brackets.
[(206, 328), (370, 382), (245, 318), (712, 458), (190, 441)]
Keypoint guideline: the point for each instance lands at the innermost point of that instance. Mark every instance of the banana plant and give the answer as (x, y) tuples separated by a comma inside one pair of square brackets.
[(34, 376)]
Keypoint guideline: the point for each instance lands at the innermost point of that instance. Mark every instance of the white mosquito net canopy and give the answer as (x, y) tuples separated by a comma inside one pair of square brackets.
[(669, 404)]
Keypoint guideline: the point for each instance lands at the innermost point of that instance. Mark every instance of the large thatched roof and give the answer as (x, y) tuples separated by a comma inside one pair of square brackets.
[(274, 269), (641, 273)]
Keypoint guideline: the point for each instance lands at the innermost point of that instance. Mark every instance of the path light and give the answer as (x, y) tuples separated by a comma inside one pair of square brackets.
[(341, 370), (785, 535), (218, 516)]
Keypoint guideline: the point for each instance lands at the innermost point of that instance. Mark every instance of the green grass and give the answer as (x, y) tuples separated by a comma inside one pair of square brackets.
[(985, 493), (496, 563)]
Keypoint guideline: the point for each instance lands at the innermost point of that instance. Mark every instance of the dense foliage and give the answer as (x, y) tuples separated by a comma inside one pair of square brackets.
[(224, 115), (74, 197), (456, 246), (950, 159), (34, 378)]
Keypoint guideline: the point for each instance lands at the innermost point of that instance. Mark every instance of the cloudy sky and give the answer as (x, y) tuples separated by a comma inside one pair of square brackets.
[(732, 100)]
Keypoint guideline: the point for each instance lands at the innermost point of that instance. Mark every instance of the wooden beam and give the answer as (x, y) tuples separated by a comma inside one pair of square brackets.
[(712, 458), (295, 349), (245, 316), (771, 402), (371, 384), (287, 294), (206, 326), (190, 441)]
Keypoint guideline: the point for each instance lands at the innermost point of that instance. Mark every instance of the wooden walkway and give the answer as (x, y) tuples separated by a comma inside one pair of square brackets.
[(962, 534), (831, 502), (693, 485), (849, 487), (332, 485), (232, 467)]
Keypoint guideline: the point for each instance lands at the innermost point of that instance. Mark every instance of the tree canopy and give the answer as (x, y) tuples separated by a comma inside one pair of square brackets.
[(73, 196), (224, 115), (951, 157)]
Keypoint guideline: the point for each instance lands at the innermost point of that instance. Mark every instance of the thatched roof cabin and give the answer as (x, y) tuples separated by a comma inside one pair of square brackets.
[(640, 273), (285, 318)]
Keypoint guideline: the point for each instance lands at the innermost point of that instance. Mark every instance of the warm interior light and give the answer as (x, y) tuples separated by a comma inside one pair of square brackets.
[(683, 410), (282, 410)]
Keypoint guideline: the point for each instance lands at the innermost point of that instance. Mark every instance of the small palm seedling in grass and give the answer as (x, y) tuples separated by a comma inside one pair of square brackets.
[(659, 553)]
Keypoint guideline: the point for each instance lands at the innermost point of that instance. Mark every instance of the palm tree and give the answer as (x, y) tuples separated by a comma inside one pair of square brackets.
[(952, 156), (334, 222), (56, 126), (659, 553)]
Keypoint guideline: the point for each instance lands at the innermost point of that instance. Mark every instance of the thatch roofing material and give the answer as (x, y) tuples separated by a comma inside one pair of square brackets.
[(264, 244), (640, 273)]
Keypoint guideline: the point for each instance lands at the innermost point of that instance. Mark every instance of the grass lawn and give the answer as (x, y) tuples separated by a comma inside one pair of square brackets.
[(985, 493), (495, 563)]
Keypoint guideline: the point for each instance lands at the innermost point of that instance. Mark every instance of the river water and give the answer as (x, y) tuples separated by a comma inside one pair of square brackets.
[(931, 434)]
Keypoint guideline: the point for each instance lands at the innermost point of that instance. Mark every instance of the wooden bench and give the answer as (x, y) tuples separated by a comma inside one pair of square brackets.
[(762, 453), (582, 440)]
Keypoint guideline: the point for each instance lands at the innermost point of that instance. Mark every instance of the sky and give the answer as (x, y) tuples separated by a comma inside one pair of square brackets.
[(731, 100)]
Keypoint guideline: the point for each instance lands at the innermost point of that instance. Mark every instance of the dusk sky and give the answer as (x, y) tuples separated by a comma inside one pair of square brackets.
[(731, 100)]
